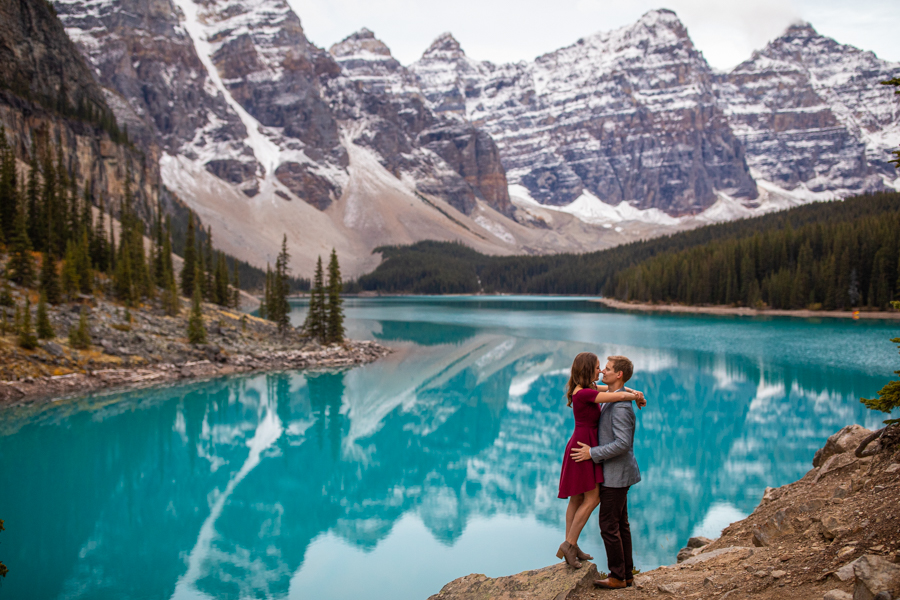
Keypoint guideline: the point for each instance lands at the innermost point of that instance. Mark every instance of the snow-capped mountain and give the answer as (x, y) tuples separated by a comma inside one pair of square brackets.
[(622, 135), (812, 117), (628, 115)]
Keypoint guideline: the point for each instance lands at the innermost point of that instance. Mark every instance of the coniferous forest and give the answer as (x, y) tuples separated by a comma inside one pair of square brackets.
[(835, 255)]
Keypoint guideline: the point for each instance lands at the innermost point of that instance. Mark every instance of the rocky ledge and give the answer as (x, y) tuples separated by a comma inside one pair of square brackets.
[(145, 347), (832, 535)]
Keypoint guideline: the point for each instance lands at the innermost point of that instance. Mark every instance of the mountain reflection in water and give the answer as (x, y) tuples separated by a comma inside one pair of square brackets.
[(391, 479)]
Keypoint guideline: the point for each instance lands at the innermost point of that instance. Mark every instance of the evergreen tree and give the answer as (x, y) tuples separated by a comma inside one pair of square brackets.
[(236, 286), (196, 330), (71, 283), (86, 220), (889, 396), (8, 192), (123, 277), (83, 263), (21, 264), (33, 195), (158, 256), (200, 279), (316, 324), (189, 268), (75, 212), (6, 298), (27, 338), (50, 284), (209, 288), (170, 301), (132, 242), (170, 295), (223, 296), (99, 244), (335, 325), (80, 335), (44, 328), (279, 308), (111, 250)]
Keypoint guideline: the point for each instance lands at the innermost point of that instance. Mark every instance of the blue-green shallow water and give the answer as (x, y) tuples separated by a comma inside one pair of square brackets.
[(389, 480)]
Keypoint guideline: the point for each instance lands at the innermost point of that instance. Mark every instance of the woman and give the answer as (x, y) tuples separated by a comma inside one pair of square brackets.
[(580, 481)]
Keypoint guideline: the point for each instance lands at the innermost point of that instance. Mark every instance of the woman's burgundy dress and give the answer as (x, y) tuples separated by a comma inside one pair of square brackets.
[(580, 477)]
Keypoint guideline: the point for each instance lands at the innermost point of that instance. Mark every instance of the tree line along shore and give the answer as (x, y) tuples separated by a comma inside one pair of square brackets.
[(841, 255)]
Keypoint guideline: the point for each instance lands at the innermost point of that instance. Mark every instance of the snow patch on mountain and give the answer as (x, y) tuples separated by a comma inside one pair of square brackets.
[(266, 151)]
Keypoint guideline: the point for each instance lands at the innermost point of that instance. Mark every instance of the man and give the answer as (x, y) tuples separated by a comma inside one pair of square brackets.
[(620, 472)]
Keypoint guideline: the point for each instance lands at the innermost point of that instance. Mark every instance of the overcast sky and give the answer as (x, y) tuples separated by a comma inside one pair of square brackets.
[(726, 31)]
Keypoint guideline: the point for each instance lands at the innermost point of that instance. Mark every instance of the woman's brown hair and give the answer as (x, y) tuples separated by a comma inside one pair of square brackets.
[(582, 374)]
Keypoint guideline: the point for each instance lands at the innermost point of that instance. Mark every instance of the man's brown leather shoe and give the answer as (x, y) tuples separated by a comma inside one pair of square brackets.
[(610, 583)]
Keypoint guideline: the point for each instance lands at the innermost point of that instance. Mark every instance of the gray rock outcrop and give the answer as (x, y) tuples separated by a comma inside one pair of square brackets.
[(556, 582)]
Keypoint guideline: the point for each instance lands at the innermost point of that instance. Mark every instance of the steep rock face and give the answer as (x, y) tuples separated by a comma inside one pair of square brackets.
[(89, 155), (628, 115), (472, 153), (271, 69), (46, 88), (155, 82), (812, 116), (40, 63), (447, 157)]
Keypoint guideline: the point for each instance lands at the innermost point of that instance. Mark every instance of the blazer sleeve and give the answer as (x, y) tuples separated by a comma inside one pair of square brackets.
[(623, 422)]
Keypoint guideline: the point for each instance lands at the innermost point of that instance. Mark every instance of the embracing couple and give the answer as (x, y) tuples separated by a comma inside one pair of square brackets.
[(599, 465)]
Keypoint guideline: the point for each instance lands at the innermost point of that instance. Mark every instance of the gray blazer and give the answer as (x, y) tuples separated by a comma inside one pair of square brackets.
[(617, 422)]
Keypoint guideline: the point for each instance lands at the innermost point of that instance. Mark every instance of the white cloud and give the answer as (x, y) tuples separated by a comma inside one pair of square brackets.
[(504, 31)]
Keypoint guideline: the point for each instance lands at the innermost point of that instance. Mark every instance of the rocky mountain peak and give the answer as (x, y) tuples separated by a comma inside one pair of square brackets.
[(361, 44), (800, 85), (800, 29), (657, 31), (444, 47)]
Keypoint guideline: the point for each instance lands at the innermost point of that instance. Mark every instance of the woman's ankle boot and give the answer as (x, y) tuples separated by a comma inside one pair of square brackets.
[(582, 555), (567, 551)]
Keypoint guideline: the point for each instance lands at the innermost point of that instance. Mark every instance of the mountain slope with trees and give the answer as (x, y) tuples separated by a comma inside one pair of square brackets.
[(837, 255)]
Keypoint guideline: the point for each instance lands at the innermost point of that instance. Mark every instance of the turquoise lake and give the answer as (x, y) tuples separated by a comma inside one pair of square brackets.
[(389, 480)]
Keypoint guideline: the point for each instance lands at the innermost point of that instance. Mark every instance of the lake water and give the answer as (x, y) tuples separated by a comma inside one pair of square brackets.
[(389, 480)]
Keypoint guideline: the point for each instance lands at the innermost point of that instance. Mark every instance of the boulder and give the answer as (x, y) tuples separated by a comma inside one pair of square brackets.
[(673, 588), (684, 554), (777, 526), (555, 582), (845, 440), (834, 463), (832, 527), (846, 573), (698, 542), (874, 575)]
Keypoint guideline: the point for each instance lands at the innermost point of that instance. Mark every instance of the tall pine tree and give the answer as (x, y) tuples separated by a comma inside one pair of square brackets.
[(189, 268), (316, 324), (280, 308), (21, 264), (335, 325)]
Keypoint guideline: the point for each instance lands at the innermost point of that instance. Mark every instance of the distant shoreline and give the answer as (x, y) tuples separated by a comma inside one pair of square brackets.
[(744, 311)]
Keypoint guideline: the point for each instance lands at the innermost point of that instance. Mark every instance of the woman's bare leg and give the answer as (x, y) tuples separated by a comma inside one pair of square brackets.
[(574, 502), (589, 501)]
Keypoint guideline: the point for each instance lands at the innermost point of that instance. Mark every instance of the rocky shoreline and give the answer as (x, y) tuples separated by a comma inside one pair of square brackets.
[(744, 311), (144, 347), (832, 535)]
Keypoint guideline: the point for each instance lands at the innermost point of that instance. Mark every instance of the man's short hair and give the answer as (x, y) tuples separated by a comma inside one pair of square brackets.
[(622, 364)]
